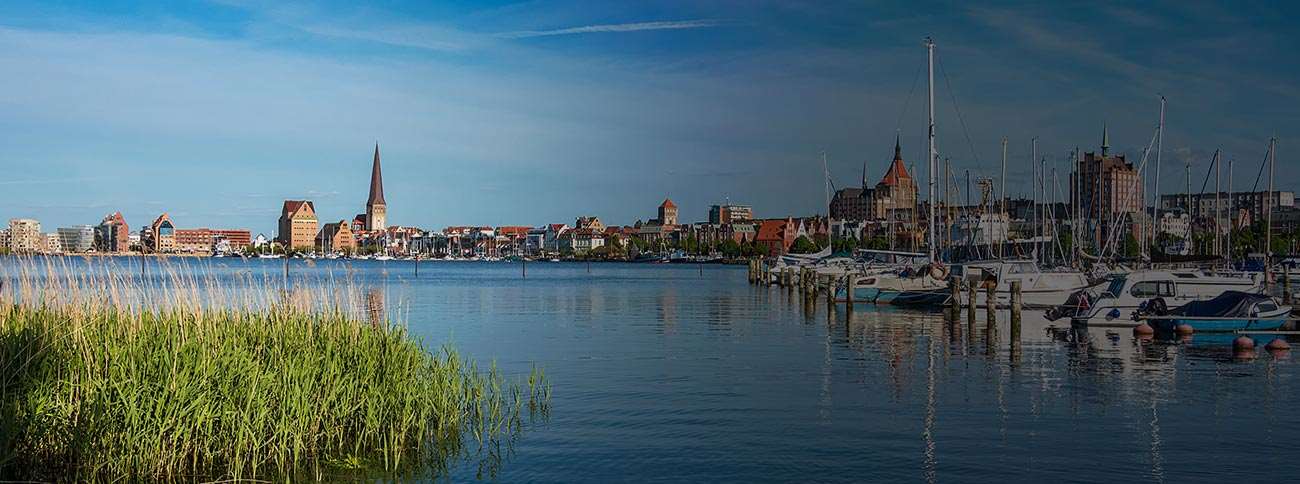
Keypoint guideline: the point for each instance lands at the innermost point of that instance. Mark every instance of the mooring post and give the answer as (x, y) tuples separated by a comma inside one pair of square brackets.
[(954, 286), (417, 265), (1286, 284), (991, 302), (970, 306), (1015, 313), (848, 292), (830, 291)]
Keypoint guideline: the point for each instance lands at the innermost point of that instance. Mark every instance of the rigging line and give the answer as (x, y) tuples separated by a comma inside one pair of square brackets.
[(966, 131), (1263, 163), (898, 126)]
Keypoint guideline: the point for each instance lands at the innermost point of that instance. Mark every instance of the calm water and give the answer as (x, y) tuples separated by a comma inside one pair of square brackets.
[(681, 373)]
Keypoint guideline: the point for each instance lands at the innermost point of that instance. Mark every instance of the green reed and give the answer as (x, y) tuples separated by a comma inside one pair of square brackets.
[(105, 378)]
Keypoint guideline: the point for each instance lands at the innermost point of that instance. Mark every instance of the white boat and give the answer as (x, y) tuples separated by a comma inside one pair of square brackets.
[(383, 257), (269, 256), (1039, 289), (1114, 303)]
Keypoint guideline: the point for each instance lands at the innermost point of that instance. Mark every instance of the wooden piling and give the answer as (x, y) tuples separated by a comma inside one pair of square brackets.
[(954, 286), (1015, 313), (991, 303), (848, 294), (830, 291), (1286, 284), (970, 306)]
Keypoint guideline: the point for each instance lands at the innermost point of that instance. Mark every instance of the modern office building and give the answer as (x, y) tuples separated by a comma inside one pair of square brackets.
[(77, 240), (730, 214)]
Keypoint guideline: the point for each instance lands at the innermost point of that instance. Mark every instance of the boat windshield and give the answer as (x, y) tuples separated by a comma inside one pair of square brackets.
[(1116, 286)]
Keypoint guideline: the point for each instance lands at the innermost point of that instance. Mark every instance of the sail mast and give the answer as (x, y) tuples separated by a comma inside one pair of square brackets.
[(1160, 141), (930, 153), (1003, 198), (1268, 206), (1231, 211)]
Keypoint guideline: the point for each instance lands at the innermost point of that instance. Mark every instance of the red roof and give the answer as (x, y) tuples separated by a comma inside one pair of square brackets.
[(896, 169), (513, 230), (668, 204), (772, 230)]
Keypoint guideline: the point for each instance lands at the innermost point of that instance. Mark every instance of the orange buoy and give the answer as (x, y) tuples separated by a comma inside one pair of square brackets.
[(1184, 329), (1243, 343), (1242, 355), (1144, 329), (1278, 344)]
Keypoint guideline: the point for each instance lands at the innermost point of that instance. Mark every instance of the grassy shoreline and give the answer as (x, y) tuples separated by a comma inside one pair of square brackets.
[(95, 388)]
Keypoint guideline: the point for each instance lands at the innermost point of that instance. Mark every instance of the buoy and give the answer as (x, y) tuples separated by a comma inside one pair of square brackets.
[(1185, 329), (1144, 329), (1244, 354), (1278, 344), (1243, 343)]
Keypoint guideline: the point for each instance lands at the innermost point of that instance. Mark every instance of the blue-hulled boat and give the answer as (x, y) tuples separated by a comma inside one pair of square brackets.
[(1228, 312)]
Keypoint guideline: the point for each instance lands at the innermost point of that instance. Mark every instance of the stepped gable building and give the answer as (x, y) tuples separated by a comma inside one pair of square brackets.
[(337, 237), (297, 224)]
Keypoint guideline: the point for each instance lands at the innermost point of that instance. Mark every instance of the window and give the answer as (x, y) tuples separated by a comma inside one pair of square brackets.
[(1153, 289)]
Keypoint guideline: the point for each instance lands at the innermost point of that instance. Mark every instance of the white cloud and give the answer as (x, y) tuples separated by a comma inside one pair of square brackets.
[(626, 27)]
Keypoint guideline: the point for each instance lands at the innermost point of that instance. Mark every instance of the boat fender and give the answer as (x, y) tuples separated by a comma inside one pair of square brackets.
[(1114, 313), (939, 271)]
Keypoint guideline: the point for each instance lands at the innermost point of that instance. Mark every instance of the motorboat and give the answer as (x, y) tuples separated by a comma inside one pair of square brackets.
[(1039, 289), (1228, 312), (1115, 302)]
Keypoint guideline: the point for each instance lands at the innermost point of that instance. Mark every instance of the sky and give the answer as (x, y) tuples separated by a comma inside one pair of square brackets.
[(526, 113)]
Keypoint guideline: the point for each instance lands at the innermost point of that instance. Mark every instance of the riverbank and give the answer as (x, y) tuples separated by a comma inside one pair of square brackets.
[(185, 380)]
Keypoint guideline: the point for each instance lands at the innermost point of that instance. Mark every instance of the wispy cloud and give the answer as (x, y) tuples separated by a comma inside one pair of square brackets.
[(51, 181), (627, 27)]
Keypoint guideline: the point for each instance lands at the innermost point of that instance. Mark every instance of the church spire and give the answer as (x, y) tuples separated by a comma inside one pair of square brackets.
[(1105, 140), (376, 182), (898, 149)]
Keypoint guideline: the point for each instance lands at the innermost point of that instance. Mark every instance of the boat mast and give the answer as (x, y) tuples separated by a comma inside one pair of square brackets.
[(1231, 211), (1033, 163), (1218, 208), (1160, 140), (931, 155), (1268, 206), (1003, 198)]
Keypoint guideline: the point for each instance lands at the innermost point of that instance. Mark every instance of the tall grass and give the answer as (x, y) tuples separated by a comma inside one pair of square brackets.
[(104, 375)]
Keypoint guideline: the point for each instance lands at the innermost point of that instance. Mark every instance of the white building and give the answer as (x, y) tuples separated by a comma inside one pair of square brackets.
[(52, 244), (25, 236)]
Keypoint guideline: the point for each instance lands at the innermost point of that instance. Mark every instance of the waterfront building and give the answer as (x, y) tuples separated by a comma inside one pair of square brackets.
[(376, 209), (77, 240), (25, 236), (730, 214), (4, 238), (1105, 186), (238, 238), (112, 234), (776, 236), (194, 241), (1248, 205), (551, 240), (261, 241), (589, 222), (52, 243), (667, 213), (852, 204), (582, 240), (894, 198), (298, 224), (336, 237), (160, 236)]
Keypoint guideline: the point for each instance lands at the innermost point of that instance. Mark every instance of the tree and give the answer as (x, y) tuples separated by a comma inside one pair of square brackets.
[(803, 245), (822, 241), (1131, 248), (730, 248)]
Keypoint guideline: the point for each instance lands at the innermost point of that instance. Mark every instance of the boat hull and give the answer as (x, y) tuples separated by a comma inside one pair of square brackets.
[(1223, 325)]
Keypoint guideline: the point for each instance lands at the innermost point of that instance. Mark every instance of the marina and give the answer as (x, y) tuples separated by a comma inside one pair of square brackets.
[(670, 363)]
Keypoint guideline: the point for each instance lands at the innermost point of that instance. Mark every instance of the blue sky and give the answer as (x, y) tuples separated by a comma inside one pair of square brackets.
[(526, 113)]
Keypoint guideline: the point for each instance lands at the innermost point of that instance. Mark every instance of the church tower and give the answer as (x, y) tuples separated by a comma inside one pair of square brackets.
[(376, 210)]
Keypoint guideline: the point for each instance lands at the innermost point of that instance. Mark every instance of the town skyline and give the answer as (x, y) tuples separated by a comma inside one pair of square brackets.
[(215, 112)]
